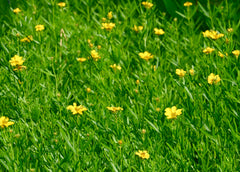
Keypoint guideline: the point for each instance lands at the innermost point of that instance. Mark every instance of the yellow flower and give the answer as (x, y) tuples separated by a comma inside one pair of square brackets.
[(230, 30), (61, 4), (212, 34), (137, 82), (4, 122), (236, 53), (81, 59), (208, 50), (180, 72), (173, 112), (220, 54), (143, 154), (147, 5), (187, 4), (16, 10), (104, 19), (39, 27), (213, 79), (76, 109), (115, 67), (27, 39), (110, 15), (137, 28), (99, 47), (17, 61), (191, 71), (95, 55), (108, 26), (146, 55), (88, 90), (114, 109), (158, 31)]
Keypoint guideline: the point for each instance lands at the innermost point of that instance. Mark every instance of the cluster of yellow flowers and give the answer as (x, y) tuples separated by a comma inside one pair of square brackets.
[(115, 67), (108, 26), (17, 61), (172, 112), (208, 50), (213, 79), (147, 5), (137, 28), (212, 34), (158, 31), (39, 27), (181, 72), (27, 39), (146, 55), (4, 122)]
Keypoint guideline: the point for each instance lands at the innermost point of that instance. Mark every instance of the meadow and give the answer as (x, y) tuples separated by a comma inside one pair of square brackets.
[(120, 86)]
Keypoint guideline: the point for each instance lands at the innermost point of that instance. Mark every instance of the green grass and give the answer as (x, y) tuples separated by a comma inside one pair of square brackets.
[(48, 137)]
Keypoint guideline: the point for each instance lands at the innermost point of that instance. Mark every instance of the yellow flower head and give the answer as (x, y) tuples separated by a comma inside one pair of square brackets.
[(230, 30), (236, 53), (61, 4), (16, 10), (147, 5), (213, 79), (146, 55), (4, 122), (88, 90), (108, 26), (95, 55), (27, 39), (76, 109), (115, 67), (104, 19), (180, 72), (137, 28), (39, 27), (220, 54), (114, 109), (81, 59), (110, 15), (208, 50), (158, 31), (187, 4), (16, 61), (212, 34), (191, 71), (173, 112), (143, 154)]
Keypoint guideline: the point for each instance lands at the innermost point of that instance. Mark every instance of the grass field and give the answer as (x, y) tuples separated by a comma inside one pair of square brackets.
[(120, 86)]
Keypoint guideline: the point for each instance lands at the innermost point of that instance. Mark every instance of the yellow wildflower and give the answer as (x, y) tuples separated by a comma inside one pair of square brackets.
[(147, 5), (230, 30), (146, 55), (143, 154), (95, 55), (137, 28), (173, 112), (158, 31), (99, 47), (16, 60), (16, 10), (114, 109), (76, 109), (236, 53), (61, 4), (4, 122), (191, 71), (187, 4), (180, 72), (212, 34), (115, 67), (213, 79), (137, 82), (27, 39), (88, 90), (81, 59), (110, 15), (208, 50), (39, 27), (104, 19), (220, 54), (108, 26)]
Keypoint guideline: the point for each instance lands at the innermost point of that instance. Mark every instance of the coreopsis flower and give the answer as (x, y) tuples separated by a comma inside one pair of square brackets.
[(147, 5), (81, 59), (173, 112), (191, 71), (61, 4), (95, 55), (220, 54), (213, 79), (208, 50), (236, 53), (146, 55), (137, 28), (76, 109), (212, 34), (114, 109), (115, 67), (230, 30), (39, 27), (27, 39), (143, 154), (187, 4), (158, 31), (16, 10), (110, 15), (180, 72), (17, 61), (108, 26), (4, 122)]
